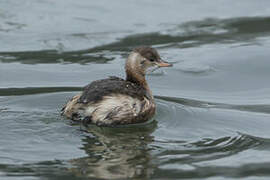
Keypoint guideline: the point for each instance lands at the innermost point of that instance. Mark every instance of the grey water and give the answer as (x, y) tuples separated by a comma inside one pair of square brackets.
[(213, 105)]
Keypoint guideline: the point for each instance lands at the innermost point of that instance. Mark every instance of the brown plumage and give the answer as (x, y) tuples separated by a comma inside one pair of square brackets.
[(116, 101)]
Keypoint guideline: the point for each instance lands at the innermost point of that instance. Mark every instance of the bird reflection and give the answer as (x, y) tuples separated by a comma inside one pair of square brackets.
[(114, 153)]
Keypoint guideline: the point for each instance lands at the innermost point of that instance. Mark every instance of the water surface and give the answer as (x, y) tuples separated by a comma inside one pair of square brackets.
[(213, 105)]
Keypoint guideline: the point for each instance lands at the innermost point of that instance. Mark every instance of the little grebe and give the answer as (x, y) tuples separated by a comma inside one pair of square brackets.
[(115, 101)]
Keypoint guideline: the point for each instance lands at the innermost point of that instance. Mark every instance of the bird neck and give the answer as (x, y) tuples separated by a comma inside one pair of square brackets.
[(136, 74), (137, 78), (141, 81)]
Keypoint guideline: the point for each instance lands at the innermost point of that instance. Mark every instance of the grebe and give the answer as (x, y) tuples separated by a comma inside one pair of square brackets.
[(115, 101)]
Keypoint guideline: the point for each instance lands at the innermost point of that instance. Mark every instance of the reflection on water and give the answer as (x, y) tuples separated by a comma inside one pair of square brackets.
[(116, 153)]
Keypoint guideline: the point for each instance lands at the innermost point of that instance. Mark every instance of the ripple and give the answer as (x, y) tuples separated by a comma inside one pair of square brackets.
[(196, 33), (260, 108), (35, 170), (196, 69), (189, 34), (208, 149), (52, 57), (173, 145), (248, 170), (35, 90), (223, 30), (188, 157)]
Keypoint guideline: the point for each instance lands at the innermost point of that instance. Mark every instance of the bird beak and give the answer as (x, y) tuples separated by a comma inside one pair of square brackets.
[(162, 63)]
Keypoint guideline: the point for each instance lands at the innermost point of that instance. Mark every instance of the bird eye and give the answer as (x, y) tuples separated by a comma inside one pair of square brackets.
[(152, 60)]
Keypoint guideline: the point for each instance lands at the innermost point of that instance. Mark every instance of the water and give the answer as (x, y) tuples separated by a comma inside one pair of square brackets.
[(213, 105)]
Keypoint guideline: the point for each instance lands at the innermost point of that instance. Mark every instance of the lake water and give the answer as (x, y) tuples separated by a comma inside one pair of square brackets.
[(213, 105)]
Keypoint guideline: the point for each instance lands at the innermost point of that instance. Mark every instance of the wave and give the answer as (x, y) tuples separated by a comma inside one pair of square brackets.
[(191, 158), (35, 90), (260, 108), (189, 34)]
